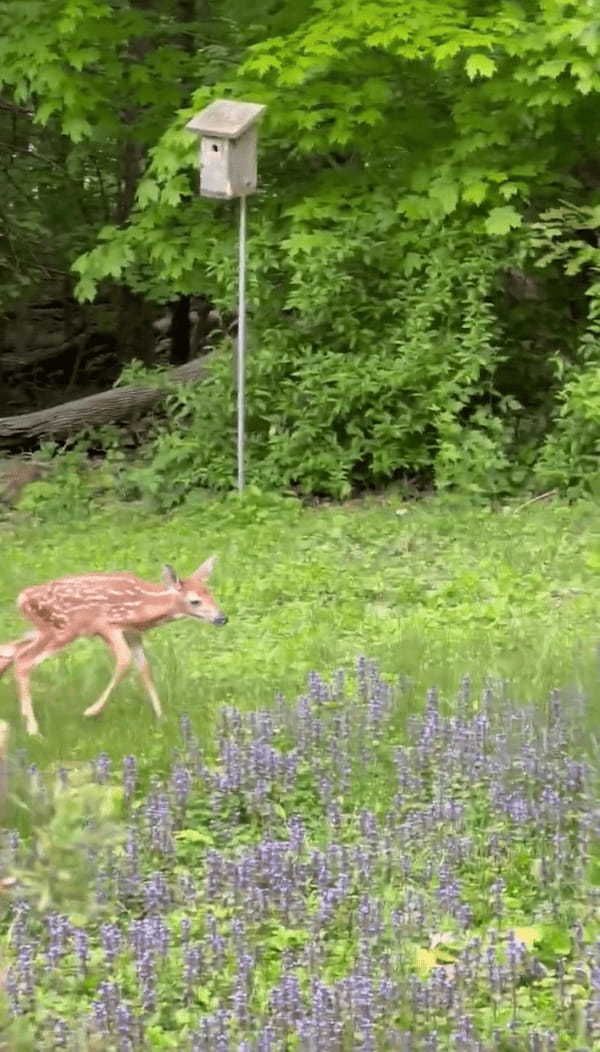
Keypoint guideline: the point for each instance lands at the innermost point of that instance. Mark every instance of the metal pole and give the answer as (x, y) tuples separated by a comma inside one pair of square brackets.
[(241, 346)]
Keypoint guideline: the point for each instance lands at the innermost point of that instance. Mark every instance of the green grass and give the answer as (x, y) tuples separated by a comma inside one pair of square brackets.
[(433, 590)]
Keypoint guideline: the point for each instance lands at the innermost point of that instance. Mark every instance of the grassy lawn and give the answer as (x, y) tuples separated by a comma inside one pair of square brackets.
[(322, 872), (433, 590)]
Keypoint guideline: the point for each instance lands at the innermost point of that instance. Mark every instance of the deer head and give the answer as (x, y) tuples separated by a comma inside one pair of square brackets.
[(194, 597)]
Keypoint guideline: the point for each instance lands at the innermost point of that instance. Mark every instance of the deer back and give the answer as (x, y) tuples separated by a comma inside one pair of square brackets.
[(113, 598)]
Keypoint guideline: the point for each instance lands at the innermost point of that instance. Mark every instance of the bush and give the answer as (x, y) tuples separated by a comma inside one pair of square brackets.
[(385, 367), (570, 456)]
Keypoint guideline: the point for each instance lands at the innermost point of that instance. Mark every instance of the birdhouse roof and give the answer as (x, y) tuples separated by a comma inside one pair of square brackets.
[(226, 118)]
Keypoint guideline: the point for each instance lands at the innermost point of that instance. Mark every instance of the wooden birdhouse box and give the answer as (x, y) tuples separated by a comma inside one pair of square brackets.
[(228, 137)]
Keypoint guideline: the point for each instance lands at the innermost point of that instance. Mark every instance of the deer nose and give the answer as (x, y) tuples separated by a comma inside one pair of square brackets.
[(222, 619)]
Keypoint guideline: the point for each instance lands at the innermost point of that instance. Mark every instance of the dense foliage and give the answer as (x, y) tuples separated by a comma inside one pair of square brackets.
[(424, 249)]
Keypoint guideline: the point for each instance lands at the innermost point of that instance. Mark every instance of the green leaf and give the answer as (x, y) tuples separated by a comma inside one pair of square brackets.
[(425, 960), (412, 261), (502, 220), (480, 65), (77, 128), (556, 939), (45, 111), (85, 289), (148, 191), (529, 935), (508, 190), (475, 192), (592, 560), (447, 194), (114, 260), (553, 68), (448, 49), (194, 836), (262, 63)]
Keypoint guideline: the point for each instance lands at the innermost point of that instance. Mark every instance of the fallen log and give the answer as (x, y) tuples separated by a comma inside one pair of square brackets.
[(107, 407)]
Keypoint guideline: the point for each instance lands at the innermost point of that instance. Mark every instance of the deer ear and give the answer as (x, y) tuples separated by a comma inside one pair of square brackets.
[(170, 577), (207, 567)]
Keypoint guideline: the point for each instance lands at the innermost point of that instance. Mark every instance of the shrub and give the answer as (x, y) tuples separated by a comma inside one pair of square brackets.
[(570, 456), (384, 367)]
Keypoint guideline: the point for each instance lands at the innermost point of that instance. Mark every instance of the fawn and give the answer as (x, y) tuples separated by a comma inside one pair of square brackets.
[(118, 607)]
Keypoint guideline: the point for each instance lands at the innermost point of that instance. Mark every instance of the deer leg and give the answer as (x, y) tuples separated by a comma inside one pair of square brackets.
[(115, 639), (8, 650), (7, 655), (139, 656), (28, 652)]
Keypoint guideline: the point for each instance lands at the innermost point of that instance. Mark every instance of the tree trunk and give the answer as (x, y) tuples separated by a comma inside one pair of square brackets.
[(134, 326), (180, 330), (134, 322)]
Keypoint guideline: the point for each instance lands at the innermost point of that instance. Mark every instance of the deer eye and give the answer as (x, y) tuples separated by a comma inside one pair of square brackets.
[(195, 602)]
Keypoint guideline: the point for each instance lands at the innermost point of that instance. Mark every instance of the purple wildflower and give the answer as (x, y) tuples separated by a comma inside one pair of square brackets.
[(102, 768)]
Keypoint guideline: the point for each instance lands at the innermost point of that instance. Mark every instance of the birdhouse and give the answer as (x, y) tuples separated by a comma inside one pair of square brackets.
[(228, 136)]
